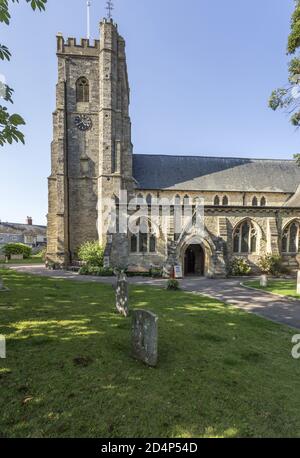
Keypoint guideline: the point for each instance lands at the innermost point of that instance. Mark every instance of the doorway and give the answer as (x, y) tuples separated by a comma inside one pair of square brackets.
[(194, 260)]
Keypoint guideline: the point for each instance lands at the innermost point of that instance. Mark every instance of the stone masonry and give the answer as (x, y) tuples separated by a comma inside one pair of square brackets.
[(92, 160)]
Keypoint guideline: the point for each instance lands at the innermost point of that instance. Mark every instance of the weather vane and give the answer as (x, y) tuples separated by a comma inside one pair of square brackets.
[(109, 7)]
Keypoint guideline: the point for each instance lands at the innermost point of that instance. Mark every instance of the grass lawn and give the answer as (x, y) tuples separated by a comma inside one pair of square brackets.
[(25, 262), (284, 287), (69, 372)]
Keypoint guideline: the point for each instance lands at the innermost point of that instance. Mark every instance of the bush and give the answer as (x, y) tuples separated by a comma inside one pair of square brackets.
[(96, 271), (271, 264), (92, 253), (239, 267), (173, 285), (156, 273), (17, 248)]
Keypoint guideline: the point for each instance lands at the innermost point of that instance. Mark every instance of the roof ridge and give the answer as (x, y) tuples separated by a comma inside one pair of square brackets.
[(216, 157)]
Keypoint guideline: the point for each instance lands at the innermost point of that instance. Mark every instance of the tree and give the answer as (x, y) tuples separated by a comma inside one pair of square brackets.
[(9, 123), (288, 97)]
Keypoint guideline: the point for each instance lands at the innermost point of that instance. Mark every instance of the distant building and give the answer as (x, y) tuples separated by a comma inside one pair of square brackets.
[(30, 234)]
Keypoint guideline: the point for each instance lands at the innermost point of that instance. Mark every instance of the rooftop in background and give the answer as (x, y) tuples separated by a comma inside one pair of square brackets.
[(200, 173)]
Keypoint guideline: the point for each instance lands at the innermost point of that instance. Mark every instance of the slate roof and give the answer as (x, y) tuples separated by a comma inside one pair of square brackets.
[(200, 173), (22, 228)]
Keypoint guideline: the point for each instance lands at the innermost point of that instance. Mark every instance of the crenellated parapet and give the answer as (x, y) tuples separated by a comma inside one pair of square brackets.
[(71, 47)]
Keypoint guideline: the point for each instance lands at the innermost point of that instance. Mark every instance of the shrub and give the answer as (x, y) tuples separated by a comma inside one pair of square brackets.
[(92, 253), (239, 267), (96, 271), (17, 248), (156, 273), (173, 285), (271, 264)]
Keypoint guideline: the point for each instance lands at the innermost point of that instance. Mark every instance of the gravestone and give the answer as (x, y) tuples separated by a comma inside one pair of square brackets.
[(298, 282), (145, 337), (122, 294), (263, 281), (16, 257), (2, 257)]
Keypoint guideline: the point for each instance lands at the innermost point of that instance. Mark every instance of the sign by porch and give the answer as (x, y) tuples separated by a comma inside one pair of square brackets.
[(178, 271)]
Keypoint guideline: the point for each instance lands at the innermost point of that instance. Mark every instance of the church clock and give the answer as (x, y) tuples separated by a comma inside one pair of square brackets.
[(83, 122)]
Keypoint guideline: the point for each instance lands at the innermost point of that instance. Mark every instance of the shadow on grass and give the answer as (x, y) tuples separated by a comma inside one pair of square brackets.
[(69, 370)]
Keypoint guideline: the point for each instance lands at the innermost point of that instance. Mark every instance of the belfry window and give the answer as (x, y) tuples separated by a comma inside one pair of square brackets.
[(82, 90), (290, 238), (245, 238), (254, 202), (263, 202), (145, 240)]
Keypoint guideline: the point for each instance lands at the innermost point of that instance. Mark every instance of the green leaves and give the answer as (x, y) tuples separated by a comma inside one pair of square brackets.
[(9, 124), (4, 53), (289, 98), (4, 8), (9, 131)]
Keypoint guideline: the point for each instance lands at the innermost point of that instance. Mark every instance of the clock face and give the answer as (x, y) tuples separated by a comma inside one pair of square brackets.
[(83, 122)]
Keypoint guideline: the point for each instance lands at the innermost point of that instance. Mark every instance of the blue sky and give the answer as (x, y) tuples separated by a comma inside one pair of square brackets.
[(201, 72)]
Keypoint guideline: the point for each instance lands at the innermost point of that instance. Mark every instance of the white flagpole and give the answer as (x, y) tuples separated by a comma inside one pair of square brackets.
[(88, 3)]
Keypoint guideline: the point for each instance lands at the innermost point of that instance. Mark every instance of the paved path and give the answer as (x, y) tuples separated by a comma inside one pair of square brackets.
[(229, 291)]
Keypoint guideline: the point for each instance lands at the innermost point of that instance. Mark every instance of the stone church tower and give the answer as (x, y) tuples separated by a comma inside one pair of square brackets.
[(91, 155)]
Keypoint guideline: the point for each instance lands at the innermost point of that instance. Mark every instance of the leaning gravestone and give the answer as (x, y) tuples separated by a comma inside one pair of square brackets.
[(145, 337), (263, 281), (122, 294)]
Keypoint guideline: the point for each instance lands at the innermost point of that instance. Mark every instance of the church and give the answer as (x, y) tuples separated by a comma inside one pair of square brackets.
[(251, 206)]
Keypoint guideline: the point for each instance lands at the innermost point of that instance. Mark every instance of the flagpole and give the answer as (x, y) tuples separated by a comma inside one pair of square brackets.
[(88, 4)]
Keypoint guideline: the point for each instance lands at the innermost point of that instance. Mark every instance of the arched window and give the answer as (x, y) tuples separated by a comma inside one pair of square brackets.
[(254, 202), (82, 90), (177, 200), (245, 238), (217, 200), (186, 199), (263, 202), (290, 238), (225, 201), (149, 199), (145, 240)]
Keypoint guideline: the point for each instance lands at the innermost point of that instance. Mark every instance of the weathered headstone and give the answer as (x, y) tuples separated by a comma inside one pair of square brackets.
[(298, 282), (16, 257), (264, 281), (145, 337), (122, 301)]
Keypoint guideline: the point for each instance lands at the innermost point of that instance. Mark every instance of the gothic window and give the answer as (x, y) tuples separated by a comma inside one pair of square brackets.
[(225, 201), (145, 240), (245, 238), (149, 199), (263, 202), (186, 200), (177, 200), (290, 238), (254, 202), (217, 200), (82, 90)]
